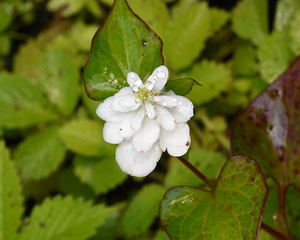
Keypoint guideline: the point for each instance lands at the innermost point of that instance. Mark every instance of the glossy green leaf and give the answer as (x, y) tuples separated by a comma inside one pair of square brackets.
[(186, 34), (10, 196), (268, 129), (102, 174), (84, 137), (181, 86), (214, 79), (232, 211), (206, 161), (295, 33), (143, 209), (272, 59), (285, 11), (58, 76), (40, 154), (23, 104), (250, 20), (123, 43), (64, 218)]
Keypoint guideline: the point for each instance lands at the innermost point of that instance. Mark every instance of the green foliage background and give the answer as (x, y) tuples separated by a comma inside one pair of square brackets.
[(58, 178)]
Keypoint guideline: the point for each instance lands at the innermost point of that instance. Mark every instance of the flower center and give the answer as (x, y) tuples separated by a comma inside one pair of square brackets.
[(144, 95)]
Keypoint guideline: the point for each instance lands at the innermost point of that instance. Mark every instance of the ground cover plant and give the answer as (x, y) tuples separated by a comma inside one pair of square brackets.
[(236, 177)]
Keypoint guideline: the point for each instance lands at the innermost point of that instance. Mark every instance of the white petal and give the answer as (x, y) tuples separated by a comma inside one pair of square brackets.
[(159, 77), (183, 111), (136, 123), (178, 137), (150, 130), (139, 144), (165, 118), (105, 112), (150, 110), (126, 91), (134, 81), (137, 164), (119, 102), (128, 101), (111, 133), (166, 101), (179, 151), (125, 129)]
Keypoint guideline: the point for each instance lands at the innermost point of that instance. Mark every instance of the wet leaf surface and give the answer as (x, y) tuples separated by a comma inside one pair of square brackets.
[(268, 129)]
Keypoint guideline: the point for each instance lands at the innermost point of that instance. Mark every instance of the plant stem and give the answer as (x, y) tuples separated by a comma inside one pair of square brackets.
[(199, 174), (273, 232)]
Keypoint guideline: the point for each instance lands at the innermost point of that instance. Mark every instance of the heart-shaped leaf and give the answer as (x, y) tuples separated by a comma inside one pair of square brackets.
[(233, 210), (268, 130), (122, 44)]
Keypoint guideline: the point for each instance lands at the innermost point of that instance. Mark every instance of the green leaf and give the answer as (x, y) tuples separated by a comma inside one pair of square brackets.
[(250, 20), (295, 33), (70, 184), (10, 196), (268, 129), (293, 211), (206, 161), (143, 209), (218, 18), (40, 154), (214, 79), (285, 11), (6, 13), (186, 34), (181, 86), (64, 218), (102, 174), (58, 76), (244, 60), (84, 137), (154, 13), (22, 103), (5, 44), (233, 210), (272, 59), (66, 8), (123, 43)]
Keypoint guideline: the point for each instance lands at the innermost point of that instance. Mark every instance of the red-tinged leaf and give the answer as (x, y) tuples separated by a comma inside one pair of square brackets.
[(122, 44), (268, 130)]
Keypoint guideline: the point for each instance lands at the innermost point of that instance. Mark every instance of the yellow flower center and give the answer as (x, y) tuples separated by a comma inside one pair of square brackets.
[(144, 95)]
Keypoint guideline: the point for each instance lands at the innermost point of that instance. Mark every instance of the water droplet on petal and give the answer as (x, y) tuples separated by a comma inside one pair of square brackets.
[(161, 75), (180, 103), (164, 104), (132, 75), (159, 69), (154, 77)]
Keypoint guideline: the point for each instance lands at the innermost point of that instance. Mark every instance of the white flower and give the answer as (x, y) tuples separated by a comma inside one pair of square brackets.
[(145, 121)]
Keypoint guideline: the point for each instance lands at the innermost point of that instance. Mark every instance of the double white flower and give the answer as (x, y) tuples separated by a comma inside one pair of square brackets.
[(145, 121)]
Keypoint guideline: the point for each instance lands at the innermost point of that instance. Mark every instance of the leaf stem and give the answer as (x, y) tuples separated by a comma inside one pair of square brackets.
[(273, 232), (197, 172)]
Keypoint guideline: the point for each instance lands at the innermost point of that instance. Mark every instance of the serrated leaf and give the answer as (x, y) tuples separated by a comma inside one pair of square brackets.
[(58, 76), (218, 18), (181, 86), (204, 160), (10, 196), (244, 60), (84, 137), (143, 209), (250, 20), (40, 154), (214, 79), (232, 210), (186, 34), (64, 218), (102, 174), (285, 11), (273, 60), (154, 13), (123, 43), (295, 33), (22, 103), (268, 129)]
